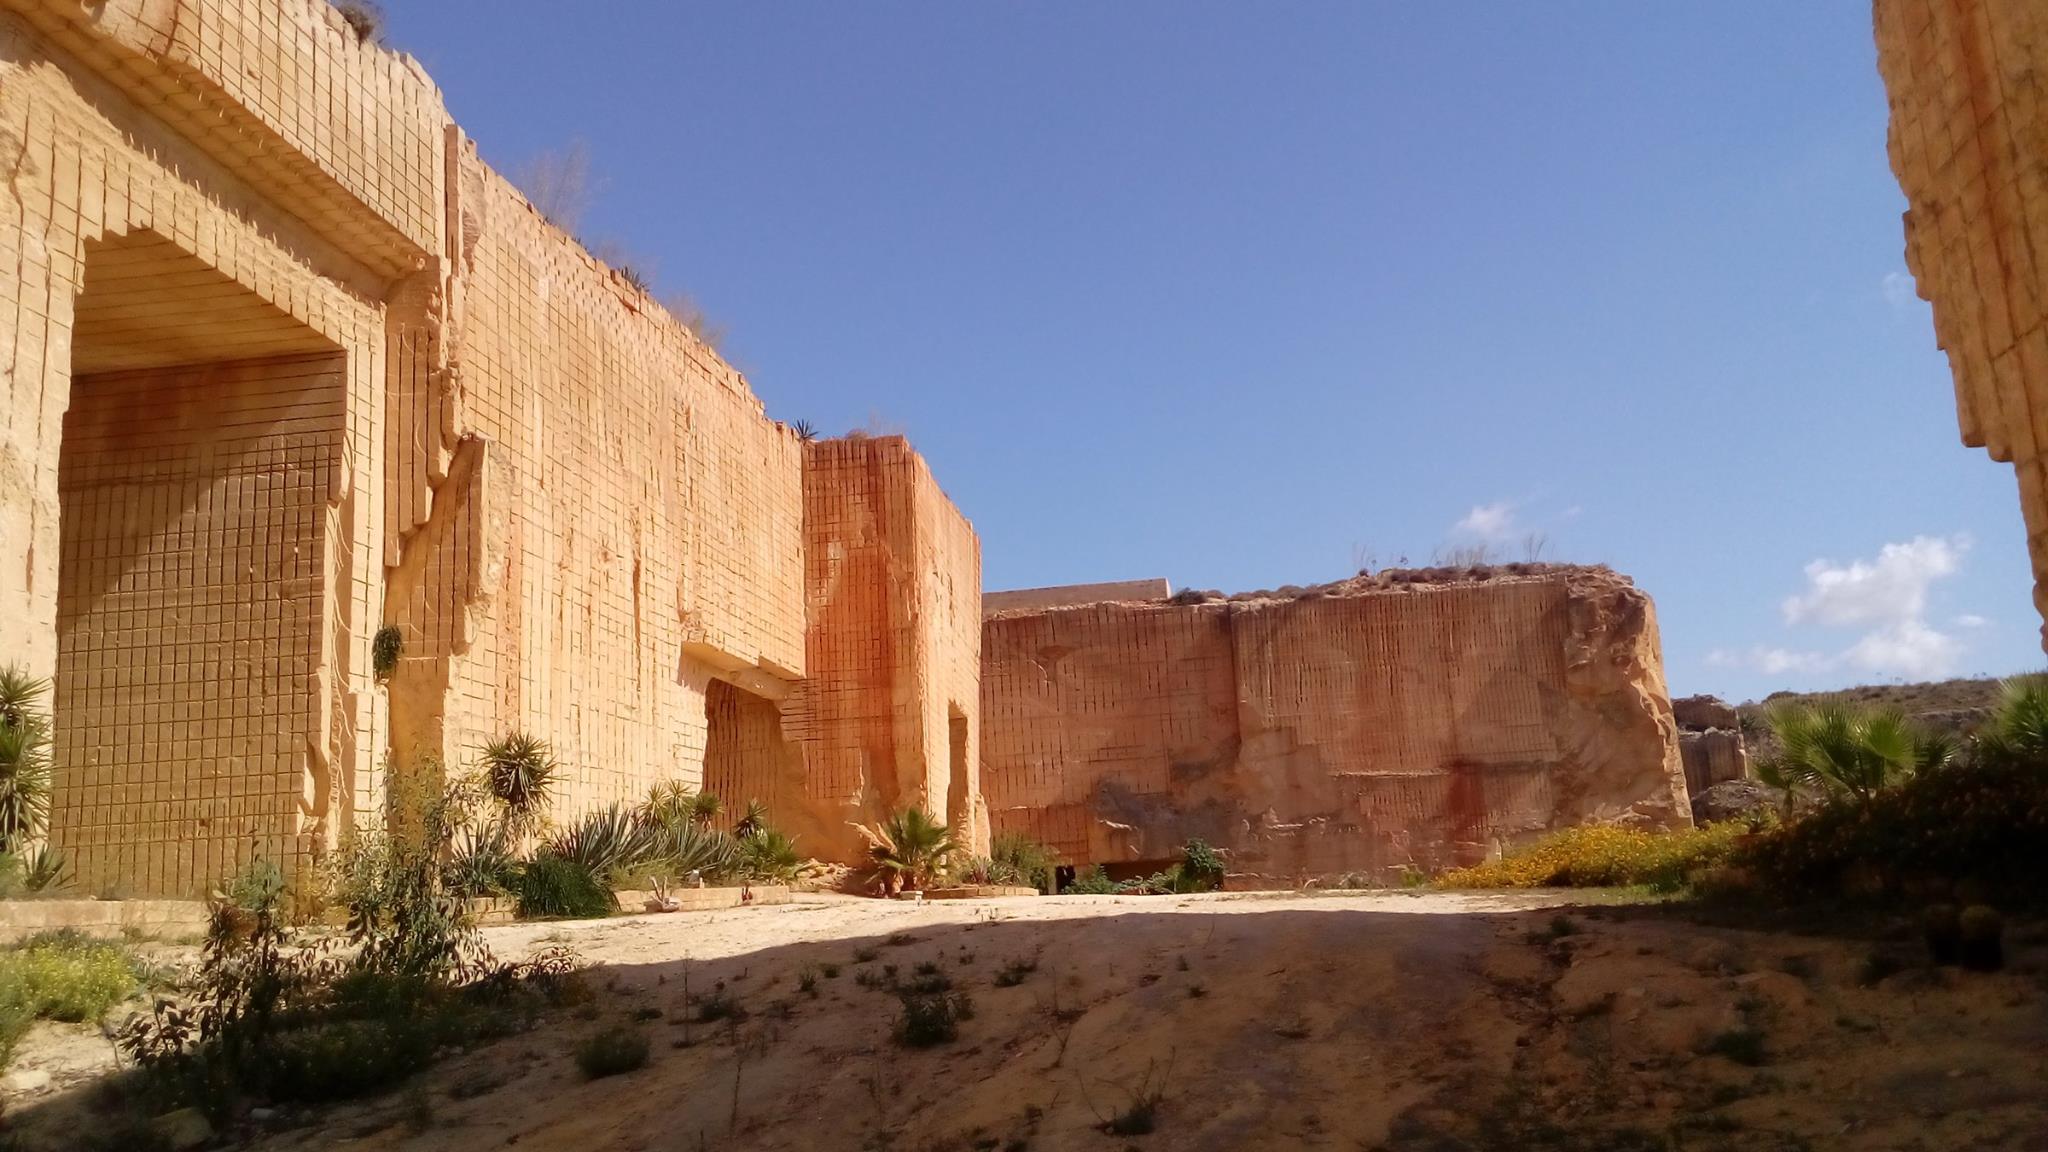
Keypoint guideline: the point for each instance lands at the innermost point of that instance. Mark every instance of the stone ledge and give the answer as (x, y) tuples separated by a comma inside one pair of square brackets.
[(979, 892), (703, 899), (20, 919)]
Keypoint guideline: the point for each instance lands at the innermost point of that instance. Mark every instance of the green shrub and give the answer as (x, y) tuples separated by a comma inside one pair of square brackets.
[(60, 976), (385, 649), (1093, 882), (768, 855), (551, 885), (259, 882), (611, 1052), (344, 1059), (1015, 858), (1601, 856), (66, 976), (1980, 824), (931, 1018), (1201, 867)]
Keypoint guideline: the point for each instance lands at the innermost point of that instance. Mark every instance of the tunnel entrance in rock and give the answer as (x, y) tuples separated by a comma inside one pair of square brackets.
[(199, 452), (745, 755)]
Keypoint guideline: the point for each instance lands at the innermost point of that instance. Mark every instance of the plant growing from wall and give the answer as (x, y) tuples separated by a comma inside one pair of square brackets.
[(24, 760), (520, 771), (385, 649), (908, 849)]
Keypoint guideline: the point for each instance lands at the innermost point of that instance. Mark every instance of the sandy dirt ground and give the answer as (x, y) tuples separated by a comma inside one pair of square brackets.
[(1430, 1023)]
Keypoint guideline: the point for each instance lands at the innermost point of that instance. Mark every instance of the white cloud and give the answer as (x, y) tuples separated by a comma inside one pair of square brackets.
[(1889, 590), (1885, 598), (1908, 648), (1490, 522), (1970, 620), (1898, 290)]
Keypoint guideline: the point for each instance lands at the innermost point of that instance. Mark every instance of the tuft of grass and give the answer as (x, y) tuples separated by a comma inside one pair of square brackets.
[(866, 955), (1015, 969), (1558, 928), (719, 1004), (612, 1052), (807, 980), (931, 1018), (830, 970)]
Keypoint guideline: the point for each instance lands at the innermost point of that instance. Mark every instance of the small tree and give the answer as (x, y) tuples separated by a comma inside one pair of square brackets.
[(520, 771)]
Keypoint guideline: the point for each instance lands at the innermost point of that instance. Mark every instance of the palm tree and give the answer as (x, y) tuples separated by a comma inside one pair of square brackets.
[(24, 760), (1856, 752), (521, 773), (909, 848), (2019, 727), (704, 808)]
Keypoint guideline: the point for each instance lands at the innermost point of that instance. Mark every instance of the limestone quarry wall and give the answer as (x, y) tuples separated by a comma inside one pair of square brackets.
[(575, 513), (889, 711), (1969, 144), (1330, 733)]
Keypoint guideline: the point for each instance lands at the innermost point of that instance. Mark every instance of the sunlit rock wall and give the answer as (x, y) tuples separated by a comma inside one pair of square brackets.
[(285, 362), (1969, 144), (1362, 727)]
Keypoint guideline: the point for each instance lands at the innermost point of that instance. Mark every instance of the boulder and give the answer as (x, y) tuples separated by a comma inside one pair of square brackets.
[(1731, 800), (1699, 713)]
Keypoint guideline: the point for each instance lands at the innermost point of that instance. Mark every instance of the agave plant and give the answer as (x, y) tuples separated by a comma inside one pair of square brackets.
[(45, 869), (521, 772), (1852, 751), (668, 802), (769, 855), (909, 849), (607, 840), (480, 862), (682, 847), (24, 760), (753, 820)]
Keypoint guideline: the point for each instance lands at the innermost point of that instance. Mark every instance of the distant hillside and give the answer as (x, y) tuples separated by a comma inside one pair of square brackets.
[(1932, 696), (1950, 705)]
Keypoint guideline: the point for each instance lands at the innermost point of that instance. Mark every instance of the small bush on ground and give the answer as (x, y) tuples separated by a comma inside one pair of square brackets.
[(274, 1015), (1602, 856), (1015, 858), (1093, 882), (551, 885), (619, 1049), (61, 976), (931, 1018)]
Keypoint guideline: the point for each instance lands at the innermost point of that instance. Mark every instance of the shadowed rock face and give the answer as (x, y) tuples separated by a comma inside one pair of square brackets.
[(1364, 726), (1969, 144)]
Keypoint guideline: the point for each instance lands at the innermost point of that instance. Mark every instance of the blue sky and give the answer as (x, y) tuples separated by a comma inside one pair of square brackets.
[(1240, 294)]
